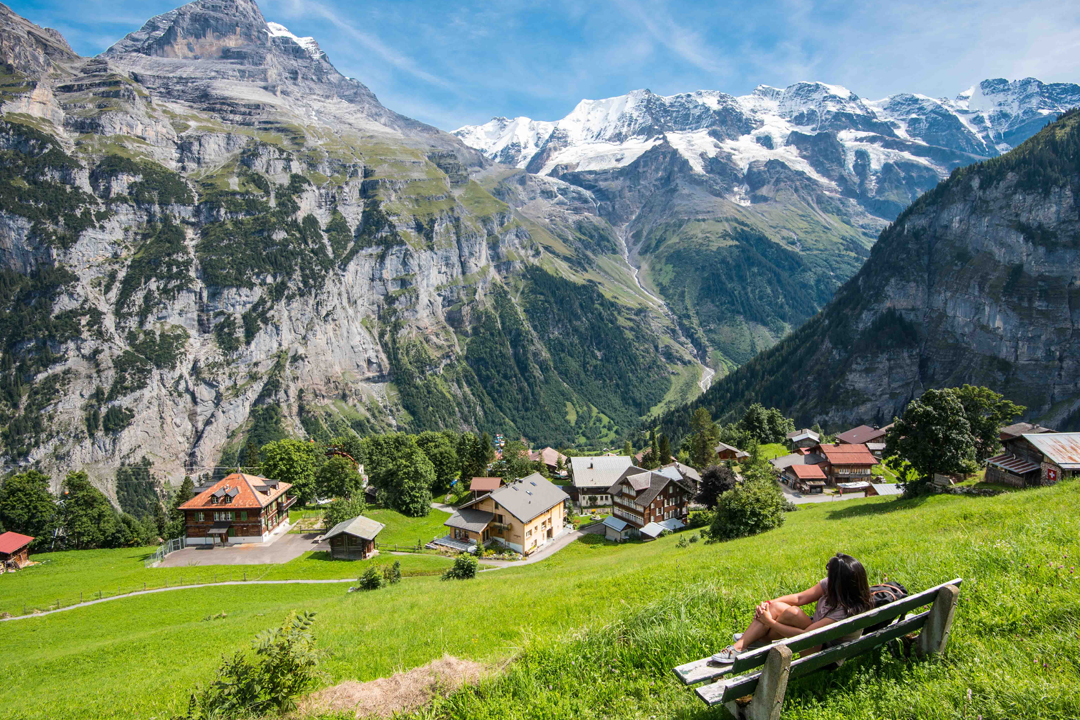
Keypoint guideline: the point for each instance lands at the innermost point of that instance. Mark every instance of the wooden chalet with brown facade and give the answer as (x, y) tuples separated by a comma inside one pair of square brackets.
[(641, 498), (1036, 458), (353, 539), (846, 463), (239, 508)]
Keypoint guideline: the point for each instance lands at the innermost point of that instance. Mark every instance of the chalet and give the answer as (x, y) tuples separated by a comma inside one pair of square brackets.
[(687, 474), (353, 539), (846, 463), (805, 478), (592, 476), (550, 457), (805, 438), (727, 452), (239, 508), (862, 435), (645, 497), (1036, 458), (523, 516), (14, 551), (877, 449), (483, 485), (1011, 432)]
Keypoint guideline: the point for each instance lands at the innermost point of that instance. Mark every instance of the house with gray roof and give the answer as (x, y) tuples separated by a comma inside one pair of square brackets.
[(592, 476), (523, 516), (353, 539), (644, 497)]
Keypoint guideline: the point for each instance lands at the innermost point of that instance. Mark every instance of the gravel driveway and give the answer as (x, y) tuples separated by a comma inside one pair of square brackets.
[(287, 547)]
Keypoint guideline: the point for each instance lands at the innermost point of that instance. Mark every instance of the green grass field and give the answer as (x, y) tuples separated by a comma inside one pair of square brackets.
[(64, 575), (406, 531), (595, 629)]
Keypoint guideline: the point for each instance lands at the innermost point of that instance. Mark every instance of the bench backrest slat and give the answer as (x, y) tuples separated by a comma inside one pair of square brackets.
[(835, 631), (737, 687)]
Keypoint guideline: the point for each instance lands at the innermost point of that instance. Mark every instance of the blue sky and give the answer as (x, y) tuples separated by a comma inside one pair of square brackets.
[(455, 62)]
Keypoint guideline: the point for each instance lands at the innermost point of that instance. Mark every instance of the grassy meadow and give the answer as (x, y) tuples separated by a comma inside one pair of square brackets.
[(596, 629)]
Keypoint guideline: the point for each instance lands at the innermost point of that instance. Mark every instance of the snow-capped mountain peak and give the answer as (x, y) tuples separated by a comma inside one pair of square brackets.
[(277, 30)]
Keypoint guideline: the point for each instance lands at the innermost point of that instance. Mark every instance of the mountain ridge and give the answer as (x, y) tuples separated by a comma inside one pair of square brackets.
[(973, 283)]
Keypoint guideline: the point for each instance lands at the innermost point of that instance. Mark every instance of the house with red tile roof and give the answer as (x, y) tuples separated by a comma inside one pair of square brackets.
[(14, 551), (805, 478), (846, 463), (239, 508)]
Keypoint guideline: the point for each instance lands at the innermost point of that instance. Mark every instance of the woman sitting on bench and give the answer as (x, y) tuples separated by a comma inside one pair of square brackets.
[(844, 592)]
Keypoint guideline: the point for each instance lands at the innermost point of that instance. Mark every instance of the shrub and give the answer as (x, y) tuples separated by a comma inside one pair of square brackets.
[(283, 665), (683, 542), (464, 568), (372, 579), (694, 538), (754, 506), (392, 573)]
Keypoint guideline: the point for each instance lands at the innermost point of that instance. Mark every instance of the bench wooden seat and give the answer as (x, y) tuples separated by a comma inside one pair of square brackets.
[(772, 665)]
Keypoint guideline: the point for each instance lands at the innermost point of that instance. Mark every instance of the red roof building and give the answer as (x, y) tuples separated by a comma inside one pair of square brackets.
[(483, 485), (14, 552), (805, 478), (239, 508), (847, 463)]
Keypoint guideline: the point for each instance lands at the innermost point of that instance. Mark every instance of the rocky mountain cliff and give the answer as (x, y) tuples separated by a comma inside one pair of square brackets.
[(976, 282), (210, 238), (746, 213)]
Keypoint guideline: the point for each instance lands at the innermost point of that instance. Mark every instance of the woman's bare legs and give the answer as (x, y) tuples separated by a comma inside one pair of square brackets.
[(787, 614)]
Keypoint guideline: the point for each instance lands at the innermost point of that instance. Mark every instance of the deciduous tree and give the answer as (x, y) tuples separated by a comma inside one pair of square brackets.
[(986, 412), (932, 436), (294, 462), (27, 507)]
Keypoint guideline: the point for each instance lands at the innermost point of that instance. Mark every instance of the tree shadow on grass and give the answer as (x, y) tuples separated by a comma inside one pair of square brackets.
[(871, 509)]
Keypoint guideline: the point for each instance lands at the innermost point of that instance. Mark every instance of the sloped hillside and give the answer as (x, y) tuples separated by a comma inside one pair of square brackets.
[(974, 283), (208, 235)]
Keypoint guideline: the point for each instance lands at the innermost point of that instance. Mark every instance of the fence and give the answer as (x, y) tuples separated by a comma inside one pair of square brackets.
[(164, 549)]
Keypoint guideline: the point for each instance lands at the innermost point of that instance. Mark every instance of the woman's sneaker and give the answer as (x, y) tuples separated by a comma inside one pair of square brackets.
[(736, 637), (725, 656)]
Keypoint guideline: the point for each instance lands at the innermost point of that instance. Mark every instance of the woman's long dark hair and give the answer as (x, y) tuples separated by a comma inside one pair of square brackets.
[(848, 587)]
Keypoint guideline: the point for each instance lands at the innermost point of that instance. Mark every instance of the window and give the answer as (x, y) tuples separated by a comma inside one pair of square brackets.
[(243, 514)]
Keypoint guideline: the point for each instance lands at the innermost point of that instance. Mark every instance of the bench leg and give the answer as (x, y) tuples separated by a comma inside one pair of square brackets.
[(935, 634), (769, 697)]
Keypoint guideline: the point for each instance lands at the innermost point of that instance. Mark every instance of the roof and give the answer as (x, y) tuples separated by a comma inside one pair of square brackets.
[(598, 471), (804, 434), (848, 455), (720, 447), (872, 446), (648, 484), (685, 471), (1013, 463), (672, 524), (653, 530), (615, 523), (861, 434), (246, 491), (785, 461), (808, 472), (887, 488), (1022, 428), (469, 519), (529, 497), (13, 542), (548, 456), (1063, 449), (359, 526), (485, 484)]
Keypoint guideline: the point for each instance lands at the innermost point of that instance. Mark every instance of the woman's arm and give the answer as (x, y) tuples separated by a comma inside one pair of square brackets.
[(807, 596)]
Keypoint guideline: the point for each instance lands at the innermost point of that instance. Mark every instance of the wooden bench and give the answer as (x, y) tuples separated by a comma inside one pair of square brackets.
[(767, 669)]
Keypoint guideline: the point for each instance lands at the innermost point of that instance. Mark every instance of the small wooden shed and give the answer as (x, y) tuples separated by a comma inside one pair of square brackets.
[(353, 539), (14, 551)]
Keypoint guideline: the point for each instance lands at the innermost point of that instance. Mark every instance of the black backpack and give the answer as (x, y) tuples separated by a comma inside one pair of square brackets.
[(887, 592)]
